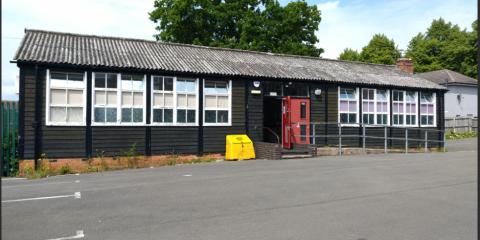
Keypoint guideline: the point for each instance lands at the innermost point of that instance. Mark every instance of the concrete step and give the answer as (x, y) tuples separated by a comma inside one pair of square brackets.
[(290, 156)]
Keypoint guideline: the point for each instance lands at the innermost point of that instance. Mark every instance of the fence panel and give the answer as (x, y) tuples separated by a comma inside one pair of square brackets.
[(9, 125), (461, 124)]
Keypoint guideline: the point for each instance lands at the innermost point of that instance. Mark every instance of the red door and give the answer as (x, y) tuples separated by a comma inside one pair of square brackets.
[(295, 121)]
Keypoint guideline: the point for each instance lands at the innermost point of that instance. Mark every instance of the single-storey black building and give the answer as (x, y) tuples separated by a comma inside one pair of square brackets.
[(80, 94)]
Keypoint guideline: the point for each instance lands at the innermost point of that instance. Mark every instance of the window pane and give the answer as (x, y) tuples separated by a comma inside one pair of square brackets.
[(111, 80), (75, 76), (210, 102), (99, 80), (137, 85), (221, 87), (137, 77), (423, 108), (58, 83), (127, 98), (168, 115), (111, 114), (126, 115), (352, 118), (303, 110), (223, 102), (111, 98), (100, 98), (190, 86), (181, 101), (222, 116), (75, 97), (157, 115), (352, 106), (430, 120), (58, 96), (303, 132), (138, 99), (180, 87), (126, 84), (168, 99), (209, 87), (210, 116), (58, 114), (181, 118), (410, 96), (157, 83), (344, 117), (407, 120), (423, 120), (58, 76), (381, 95), (99, 115), (191, 101), (168, 82), (344, 106), (395, 119), (191, 116), (158, 99), (427, 97), (137, 115), (75, 115)]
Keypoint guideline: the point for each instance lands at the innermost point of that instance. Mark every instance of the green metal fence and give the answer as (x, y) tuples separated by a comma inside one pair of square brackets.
[(9, 153)]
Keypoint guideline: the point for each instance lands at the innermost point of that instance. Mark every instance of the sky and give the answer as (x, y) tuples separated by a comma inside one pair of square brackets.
[(345, 23)]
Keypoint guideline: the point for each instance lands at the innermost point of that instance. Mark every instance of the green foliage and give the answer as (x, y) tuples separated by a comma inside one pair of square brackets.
[(380, 50), (258, 25), (445, 45), (65, 169), (43, 170), (460, 135), (131, 155), (172, 160), (349, 54)]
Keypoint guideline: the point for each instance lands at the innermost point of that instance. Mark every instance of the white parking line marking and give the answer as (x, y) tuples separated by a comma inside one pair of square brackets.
[(77, 181), (75, 195), (36, 184), (78, 236), (187, 175)]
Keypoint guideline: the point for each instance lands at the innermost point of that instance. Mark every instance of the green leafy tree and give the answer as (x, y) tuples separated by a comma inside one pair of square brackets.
[(349, 54), (445, 45), (259, 25), (380, 50)]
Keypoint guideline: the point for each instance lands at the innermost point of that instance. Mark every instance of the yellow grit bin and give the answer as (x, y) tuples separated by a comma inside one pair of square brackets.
[(239, 147)]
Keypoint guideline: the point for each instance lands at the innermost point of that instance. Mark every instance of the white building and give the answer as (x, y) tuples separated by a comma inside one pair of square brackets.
[(461, 98)]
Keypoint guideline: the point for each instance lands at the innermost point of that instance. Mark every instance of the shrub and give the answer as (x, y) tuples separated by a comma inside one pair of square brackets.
[(460, 135), (65, 169)]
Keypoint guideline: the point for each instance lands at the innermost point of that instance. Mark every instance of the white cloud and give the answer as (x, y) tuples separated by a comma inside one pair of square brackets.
[(328, 6), (123, 18), (352, 24)]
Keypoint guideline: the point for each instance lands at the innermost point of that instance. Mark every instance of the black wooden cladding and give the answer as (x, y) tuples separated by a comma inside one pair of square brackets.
[(247, 114)]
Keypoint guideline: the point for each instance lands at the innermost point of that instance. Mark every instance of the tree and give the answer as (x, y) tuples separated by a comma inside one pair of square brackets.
[(380, 50), (259, 25), (445, 45), (349, 54)]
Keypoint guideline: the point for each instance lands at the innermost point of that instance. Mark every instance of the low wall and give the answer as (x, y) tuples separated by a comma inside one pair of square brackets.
[(264, 150)]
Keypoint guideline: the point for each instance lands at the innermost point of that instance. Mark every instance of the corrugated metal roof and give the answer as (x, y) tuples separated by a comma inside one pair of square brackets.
[(88, 50), (446, 76)]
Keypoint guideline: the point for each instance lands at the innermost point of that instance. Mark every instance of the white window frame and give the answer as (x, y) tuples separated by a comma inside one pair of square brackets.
[(119, 103), (357, 97), (374, 112), (229, 109), (388, 107), (48, 104), (409, 114), (393, 107), (434, 100), (94, 89), (174, 108), (163, 92)]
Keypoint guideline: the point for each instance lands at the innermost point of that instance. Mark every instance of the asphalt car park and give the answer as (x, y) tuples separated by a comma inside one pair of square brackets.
[(383, 196)]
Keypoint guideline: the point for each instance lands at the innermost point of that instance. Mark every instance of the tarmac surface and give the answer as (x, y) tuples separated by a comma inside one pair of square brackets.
[(366, 197)]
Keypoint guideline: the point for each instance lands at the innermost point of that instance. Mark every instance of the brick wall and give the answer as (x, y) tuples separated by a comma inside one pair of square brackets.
[(271, 151)]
